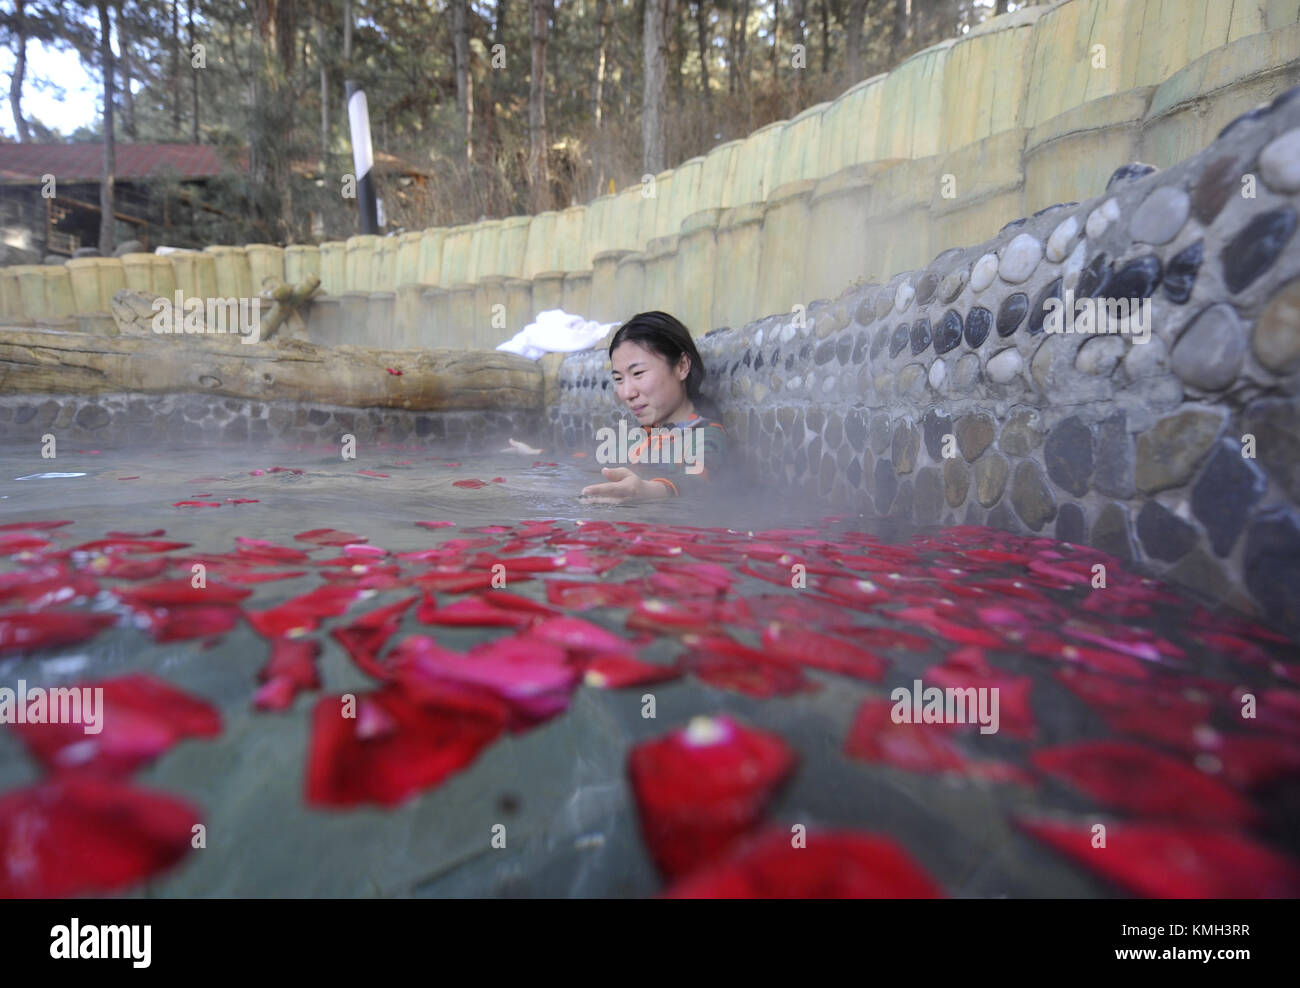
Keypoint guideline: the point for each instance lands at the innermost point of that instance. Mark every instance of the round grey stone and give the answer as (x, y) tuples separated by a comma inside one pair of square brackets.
[(1004, 366), (1168, 454), (967, 373), (1058, 244), (1279, 163), (1110, 532), (1163, 534), (1276, 338), (1161, 215), (983, 273), (952, 284), (1099, 355), (1272, 564), (1225, 495), (1020, 258), (1031, 496), (1210, 353), (1068, 455), (956, 481)]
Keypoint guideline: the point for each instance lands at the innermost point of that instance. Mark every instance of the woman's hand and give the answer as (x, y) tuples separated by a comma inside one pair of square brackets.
[(624, 485)]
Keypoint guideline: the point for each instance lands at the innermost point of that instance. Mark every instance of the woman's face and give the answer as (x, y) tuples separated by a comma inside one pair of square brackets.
[(655, 392)]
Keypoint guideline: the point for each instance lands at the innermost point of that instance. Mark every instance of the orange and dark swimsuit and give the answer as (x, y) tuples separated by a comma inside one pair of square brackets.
[(708, 446)]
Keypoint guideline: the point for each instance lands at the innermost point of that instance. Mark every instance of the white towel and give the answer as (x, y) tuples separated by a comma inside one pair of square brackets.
[(556, 331)]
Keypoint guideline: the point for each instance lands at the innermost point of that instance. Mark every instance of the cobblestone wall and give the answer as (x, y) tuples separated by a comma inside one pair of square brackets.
[(945, 396), (132, 420)]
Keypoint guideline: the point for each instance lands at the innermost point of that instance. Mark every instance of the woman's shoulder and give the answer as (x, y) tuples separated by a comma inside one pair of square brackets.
[(698, 421)]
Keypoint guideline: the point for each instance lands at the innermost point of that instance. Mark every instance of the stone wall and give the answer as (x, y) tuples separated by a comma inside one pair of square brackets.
[(1032, 108), (132, 420), (1181, 453)]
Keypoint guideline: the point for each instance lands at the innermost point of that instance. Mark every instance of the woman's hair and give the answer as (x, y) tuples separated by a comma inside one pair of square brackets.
[(666, 336)]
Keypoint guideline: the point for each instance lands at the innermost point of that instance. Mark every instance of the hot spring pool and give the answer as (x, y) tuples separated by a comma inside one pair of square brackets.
[(1119, 705)]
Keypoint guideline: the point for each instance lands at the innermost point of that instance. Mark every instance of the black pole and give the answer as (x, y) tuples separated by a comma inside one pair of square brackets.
[(363, 158)]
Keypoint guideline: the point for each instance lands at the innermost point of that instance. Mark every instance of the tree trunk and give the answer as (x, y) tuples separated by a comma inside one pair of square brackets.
[(826, 36), (604, 21), (347, 37), (902, 27), (702, 28), (194, 73), (653, 158), (489, 135), (678, 50), (853, 44), (324, 95), (539, 178), (107, 222), (464, 79), (733, 50), (776, 41), (20, 69), (743, 55), (283, 369), (176, 67), (797, 16), (1001, 8), (128, 97)]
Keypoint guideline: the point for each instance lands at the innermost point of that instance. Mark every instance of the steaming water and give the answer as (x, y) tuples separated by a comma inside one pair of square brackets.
[(560, 789)]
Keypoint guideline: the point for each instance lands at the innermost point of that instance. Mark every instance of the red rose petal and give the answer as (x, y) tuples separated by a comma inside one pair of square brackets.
[(531, 677), (26, 631), (129, 546), (140, 718), (614, 672), (875, 737), (11, 545), (351, 763), (581, 596), (1138, 779), (819, 651), (46, 585), (185, 621), (577, 634), (329, 536), (290, 670), (832, 865), (27, 526), (730, 665), (85, 836), (181, 591), (701, 788), (1015, 716), (1170, 861), (130, 569), (476, 612)]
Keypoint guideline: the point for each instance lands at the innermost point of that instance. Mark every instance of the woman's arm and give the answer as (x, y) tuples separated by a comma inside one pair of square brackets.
[(626, 485)]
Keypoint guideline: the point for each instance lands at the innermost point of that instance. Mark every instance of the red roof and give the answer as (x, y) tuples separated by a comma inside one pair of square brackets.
[(85, 162)]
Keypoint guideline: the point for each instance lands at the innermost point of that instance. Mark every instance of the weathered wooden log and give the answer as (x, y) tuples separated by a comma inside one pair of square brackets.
[(288, 301), (36, 362)]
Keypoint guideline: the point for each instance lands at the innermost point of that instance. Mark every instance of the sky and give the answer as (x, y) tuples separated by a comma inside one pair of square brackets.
[(80, 103)]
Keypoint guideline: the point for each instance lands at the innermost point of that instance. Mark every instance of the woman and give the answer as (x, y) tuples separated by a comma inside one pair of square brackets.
[(679, 443)]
